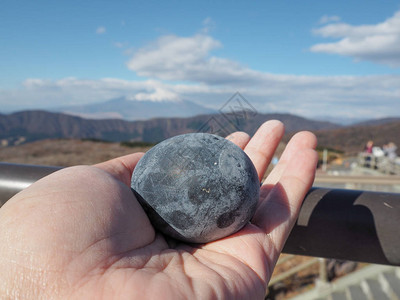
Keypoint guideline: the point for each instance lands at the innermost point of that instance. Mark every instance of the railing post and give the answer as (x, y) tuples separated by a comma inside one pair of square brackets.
[(323, 271)]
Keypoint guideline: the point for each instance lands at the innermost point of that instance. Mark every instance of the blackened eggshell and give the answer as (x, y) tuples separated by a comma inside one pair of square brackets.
[(197, 187)]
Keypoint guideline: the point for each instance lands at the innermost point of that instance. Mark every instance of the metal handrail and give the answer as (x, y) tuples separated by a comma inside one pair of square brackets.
[(349, 225), (333, 223), (15, 177), (292, 271), (382, 164)]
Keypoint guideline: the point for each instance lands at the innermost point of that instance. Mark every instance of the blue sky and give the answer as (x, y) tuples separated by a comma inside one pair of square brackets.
[(313, 58)]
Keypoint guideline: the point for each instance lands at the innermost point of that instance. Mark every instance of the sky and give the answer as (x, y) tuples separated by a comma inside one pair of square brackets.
[(313, 58)]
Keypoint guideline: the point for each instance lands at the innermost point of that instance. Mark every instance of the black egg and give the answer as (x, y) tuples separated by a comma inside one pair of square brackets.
[(197, 187)]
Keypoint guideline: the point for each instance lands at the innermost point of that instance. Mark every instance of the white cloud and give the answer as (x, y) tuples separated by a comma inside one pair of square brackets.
[(157, 93), (101, 30), (188, 59), (210, 80), (71, 91), (175, 58), (119, 45), (328, 19), (379, 43), (310, 96), (208, 25)]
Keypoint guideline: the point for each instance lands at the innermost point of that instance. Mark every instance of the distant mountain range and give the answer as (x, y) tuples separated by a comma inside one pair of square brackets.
[(134, 110), (353, 138), (26, 126), (123, 108), (35, 125)]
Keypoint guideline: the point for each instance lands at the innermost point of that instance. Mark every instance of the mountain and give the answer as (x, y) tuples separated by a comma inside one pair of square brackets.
[(122, 108), (378, 121), (28, 126), (352, 139), (342, 120)]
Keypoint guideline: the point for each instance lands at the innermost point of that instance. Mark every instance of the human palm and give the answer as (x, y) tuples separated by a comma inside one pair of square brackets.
[(80, 233)]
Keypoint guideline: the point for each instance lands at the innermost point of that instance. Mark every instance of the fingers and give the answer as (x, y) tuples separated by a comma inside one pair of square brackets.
[(263, 144), (260, 150), (301, 140), (121, 168), (277, 213), (239, 138)]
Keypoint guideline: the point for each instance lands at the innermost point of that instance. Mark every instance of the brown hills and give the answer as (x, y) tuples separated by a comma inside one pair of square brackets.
[(65, 152), (352, 139), (36, 125), (29, 126)]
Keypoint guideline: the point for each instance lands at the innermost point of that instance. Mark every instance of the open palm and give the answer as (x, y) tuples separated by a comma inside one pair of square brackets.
[(80, 233)]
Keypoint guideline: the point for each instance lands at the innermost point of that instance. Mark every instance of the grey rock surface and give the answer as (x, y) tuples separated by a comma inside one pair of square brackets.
[(197, 187)]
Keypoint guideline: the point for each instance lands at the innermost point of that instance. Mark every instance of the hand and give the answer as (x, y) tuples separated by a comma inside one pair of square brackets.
[(80, 233)]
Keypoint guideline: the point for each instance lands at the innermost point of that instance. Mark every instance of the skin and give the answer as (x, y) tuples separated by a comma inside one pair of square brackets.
[(80, 233)]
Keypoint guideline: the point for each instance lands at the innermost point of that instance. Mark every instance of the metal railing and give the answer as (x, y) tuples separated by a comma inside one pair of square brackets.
[(333, 223), (381, 164), (296, 269), (15, 177)]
